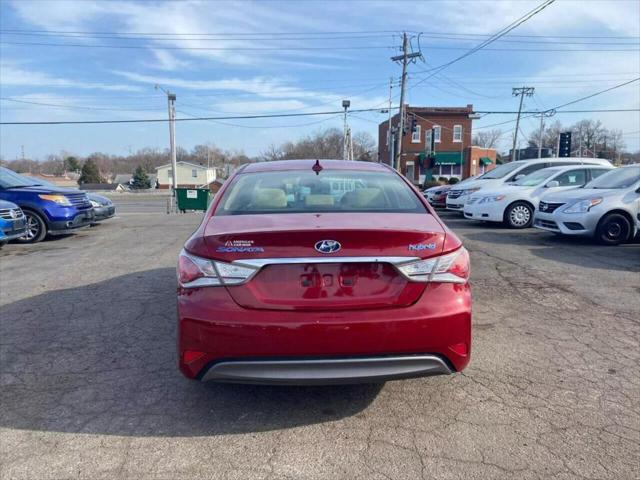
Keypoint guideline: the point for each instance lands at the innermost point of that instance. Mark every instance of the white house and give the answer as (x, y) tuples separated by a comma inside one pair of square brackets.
[(188, 175)]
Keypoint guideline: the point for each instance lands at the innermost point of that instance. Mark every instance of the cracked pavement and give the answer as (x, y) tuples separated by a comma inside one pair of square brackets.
[(89, 387)]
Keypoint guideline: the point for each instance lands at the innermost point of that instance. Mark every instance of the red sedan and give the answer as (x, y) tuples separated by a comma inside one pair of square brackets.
[(320, 272)]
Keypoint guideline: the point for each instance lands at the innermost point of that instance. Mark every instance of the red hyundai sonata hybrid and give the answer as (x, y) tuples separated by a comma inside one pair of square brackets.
[(321, 272)]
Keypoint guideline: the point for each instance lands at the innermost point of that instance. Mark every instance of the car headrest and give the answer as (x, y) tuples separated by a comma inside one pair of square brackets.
[(364, 197), (316, 199), (269, 198)]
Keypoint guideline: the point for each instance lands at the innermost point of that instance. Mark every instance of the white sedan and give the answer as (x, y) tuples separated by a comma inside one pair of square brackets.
[(514, 204)]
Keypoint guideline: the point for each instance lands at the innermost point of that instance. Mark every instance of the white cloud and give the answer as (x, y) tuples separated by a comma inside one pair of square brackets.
[(167, 61), (260, 106), (18, 76)]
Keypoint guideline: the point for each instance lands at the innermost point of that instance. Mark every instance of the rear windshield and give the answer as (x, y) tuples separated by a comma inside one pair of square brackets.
[(501, 171), (301, 191), (617, 178), (536, 178)]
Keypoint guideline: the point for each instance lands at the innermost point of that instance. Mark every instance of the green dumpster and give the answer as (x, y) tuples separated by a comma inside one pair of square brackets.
[(192, 198)]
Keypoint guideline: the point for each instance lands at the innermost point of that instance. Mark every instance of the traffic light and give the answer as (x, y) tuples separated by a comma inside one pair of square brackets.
[(414, 123), (564, 148)]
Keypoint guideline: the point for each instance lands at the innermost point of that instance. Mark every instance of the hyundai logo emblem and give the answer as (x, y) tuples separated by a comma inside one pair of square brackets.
[(13, 214), (328, 246)]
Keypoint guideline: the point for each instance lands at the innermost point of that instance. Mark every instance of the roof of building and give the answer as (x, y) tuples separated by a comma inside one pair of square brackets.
[(122, 178), (203, 167), (308, 164), (442, 110), (100, 186)]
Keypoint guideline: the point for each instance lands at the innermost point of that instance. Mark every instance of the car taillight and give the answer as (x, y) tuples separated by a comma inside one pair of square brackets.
[(195, 271), (450, 268)]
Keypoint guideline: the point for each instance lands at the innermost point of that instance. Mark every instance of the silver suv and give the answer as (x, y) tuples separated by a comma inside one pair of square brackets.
[(607, 208)]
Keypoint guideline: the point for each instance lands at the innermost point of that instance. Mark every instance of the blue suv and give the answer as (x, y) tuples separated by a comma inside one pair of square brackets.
[(12, 222), (48, 209)]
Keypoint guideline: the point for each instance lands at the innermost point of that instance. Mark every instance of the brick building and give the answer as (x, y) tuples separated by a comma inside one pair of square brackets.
[(452, 143)]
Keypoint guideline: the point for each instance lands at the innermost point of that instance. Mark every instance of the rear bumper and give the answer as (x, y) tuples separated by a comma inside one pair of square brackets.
[(326, 371), (226, 342)]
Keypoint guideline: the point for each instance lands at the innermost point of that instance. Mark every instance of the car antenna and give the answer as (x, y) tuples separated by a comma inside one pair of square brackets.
[(317, 167)]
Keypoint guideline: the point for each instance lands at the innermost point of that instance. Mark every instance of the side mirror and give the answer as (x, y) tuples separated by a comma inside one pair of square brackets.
[(552, 184), (519, 176)]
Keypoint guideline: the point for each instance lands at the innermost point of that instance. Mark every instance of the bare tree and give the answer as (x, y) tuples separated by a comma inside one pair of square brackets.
[(364, 147), (487, 138), (588, 134), (271, 153)]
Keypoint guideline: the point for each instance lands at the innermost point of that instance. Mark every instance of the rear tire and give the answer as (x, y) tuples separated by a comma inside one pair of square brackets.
[(518, 215), (36, 228), (613, 229)]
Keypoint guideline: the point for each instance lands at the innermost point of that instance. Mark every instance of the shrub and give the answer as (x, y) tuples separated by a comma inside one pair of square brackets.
[(453, 180), (430, 183)]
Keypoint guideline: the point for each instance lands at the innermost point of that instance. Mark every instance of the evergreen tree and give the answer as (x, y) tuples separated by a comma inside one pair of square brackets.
[(71, 164), (140, 178), (90, 173)]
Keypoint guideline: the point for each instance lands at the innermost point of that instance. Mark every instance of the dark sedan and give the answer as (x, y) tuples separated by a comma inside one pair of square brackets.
[(103, 207)]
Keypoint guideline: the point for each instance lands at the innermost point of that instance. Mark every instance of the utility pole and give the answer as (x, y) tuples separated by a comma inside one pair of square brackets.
[(580, 139), (347, 144), (405, 58), (22, 152), (548, 113), (519, 92), (389, 130)]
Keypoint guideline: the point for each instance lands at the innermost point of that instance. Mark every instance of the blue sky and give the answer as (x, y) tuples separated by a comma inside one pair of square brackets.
[(239, 58)]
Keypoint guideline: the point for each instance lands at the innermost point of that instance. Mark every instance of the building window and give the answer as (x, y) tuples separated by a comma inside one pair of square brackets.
[(194, 173), (427, 140), (436, 133), (415, 135), (457, 133), (410, 171)]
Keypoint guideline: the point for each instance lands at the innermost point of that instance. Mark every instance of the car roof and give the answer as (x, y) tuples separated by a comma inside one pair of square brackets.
[(585, 160), (564, 168), (280, 165)]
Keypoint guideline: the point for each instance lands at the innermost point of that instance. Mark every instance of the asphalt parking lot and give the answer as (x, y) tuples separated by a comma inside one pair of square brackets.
[(89, 386)]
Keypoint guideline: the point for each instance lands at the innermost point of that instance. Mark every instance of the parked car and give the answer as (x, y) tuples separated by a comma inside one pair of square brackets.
[(607, 208), (49, 210), (437, 196), (12, 222), (514, 203), (103, 207), (510, 172), (282, 283)]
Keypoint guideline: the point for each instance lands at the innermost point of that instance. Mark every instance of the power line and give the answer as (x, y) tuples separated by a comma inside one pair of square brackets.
[(490, 40), (79, 107), (239, 125), (217, 49), (162, 120), (249, 34), (283, 48), (205, 38), (354, 32), (595, 94), (557, 107)]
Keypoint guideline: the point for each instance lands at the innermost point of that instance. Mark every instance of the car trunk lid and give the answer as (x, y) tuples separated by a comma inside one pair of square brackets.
[(296, 276)]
